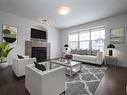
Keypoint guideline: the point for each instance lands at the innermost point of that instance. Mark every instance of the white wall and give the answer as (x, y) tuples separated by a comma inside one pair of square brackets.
[(24, 26), (54, 39), (109, 23)]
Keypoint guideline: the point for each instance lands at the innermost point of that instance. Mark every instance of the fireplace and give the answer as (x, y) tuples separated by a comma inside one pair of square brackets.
[(38, 49), (40, 53)]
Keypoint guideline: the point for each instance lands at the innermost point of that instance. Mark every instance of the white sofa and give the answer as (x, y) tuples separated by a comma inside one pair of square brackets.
[(18, 65), (98, 59), (49, 82)]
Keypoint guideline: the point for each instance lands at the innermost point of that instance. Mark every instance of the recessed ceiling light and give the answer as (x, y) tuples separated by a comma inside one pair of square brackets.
[(63, 10)]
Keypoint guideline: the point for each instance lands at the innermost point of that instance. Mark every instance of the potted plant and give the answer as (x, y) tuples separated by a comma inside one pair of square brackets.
[(4, 51)]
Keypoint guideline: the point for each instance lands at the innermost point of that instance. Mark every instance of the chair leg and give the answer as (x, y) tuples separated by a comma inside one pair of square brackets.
[(26, 92), (63, 93)]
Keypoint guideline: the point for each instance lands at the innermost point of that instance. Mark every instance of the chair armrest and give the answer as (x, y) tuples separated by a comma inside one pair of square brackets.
[(26, 60), (15, 66)]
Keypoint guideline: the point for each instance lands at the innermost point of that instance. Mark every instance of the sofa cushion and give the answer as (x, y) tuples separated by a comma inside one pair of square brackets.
[(89, 57), (76, 56), (84, 57), (40, 66)]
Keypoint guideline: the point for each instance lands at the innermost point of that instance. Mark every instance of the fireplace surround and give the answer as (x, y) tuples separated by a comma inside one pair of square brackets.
[(38, 49)]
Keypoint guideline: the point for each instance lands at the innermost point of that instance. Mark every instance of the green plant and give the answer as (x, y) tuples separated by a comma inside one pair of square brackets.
[(4, 51)]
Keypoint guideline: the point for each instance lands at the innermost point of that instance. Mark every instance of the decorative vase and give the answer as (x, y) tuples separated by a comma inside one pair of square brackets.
[(3, 65), (68, 57)]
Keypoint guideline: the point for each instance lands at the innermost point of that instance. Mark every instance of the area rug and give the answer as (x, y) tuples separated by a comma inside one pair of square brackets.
[(85, 82)]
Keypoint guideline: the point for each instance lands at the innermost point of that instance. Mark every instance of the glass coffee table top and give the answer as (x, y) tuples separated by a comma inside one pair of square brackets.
[(72, 66), (65, 62)]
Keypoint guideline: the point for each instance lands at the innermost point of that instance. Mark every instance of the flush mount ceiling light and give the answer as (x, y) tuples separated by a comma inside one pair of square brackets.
[(45, 22), (63, 10)]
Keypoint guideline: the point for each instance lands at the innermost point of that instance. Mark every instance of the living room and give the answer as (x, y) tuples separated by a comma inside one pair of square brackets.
[(86, 25)]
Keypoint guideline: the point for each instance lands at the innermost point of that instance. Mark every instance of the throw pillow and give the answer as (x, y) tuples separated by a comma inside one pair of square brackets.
[(78, 52), (73, 51), (39, 66), (94, 52), (84, 51), (68, 56), (89, 52), (20, 57), (81, 52)]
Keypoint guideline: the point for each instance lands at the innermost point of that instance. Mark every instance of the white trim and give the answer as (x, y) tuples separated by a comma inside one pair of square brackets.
[(76, 31)]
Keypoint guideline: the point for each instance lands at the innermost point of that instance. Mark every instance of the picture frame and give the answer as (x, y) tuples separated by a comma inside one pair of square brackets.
[(117, 35), (9, 33)]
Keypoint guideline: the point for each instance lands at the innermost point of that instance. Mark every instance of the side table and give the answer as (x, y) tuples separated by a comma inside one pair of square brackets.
[(111, 60)]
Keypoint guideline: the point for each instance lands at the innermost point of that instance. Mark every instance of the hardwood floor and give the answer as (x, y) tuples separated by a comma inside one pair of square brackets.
[(113, 83), (10, 84)]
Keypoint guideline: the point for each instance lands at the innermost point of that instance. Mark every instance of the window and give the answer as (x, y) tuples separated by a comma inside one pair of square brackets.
[(88, 39), (97, 38), (84, 39), (73, 40)]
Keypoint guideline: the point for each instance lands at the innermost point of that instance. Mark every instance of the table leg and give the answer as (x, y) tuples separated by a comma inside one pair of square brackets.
[(50, 67), (116, 61), (105, 61), (70, 72), (80, 67)]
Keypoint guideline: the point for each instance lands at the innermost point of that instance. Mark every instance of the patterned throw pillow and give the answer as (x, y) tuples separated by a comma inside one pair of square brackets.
[(84, 51), (81, 52), (73, 51), (77, 51), (94, 52), (89, 52)]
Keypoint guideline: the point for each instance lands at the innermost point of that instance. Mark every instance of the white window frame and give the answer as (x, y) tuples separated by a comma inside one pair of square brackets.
[(89, 30)]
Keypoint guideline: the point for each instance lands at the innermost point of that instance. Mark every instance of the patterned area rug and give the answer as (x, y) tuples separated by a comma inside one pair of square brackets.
[(85, 82)]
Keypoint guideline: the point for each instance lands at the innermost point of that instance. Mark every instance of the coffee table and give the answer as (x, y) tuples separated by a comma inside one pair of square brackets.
[(72, 67)]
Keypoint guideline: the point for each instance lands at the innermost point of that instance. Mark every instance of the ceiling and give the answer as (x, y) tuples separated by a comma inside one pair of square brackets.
[(82, 11)]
